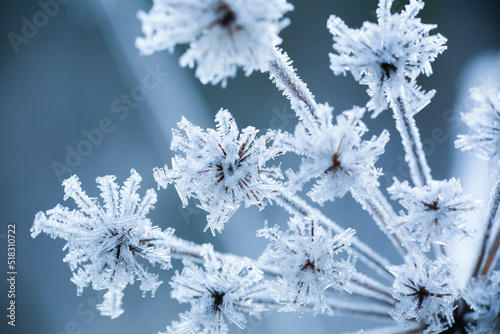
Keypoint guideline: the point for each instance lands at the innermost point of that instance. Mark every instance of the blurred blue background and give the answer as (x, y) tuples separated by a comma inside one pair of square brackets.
[(72, 74)]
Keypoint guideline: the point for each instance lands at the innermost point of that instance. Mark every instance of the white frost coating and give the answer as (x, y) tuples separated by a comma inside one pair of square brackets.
[(336, 156), (223, 288), (483, 295), (388, 55), (425, 291), (307, 256), (484, 123), (222, 168), (103, 241), (435, 212), (222, 35), (302, 101)]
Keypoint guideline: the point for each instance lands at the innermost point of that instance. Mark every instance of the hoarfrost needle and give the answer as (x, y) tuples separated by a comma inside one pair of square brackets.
[(222, 35), (221, 288), (388, 55), (435, 212), (337, 156), (221, 168), (307, 256), (103, 242), (425, 291)]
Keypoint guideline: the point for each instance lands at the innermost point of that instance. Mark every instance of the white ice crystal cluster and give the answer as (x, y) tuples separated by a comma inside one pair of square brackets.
[(307, 256), (435, 212), (335, 155), (222, 34), (483, 296), (425, 292), (483, 138), (389, 55), (104, 241), (221, 168), (221, 290)]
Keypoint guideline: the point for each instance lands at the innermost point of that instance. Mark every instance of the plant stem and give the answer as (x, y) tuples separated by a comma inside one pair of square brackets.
[(493, 255), (415, 157), (286, 79), (377, 205), (378, 293), (495, 202), (370, 310)]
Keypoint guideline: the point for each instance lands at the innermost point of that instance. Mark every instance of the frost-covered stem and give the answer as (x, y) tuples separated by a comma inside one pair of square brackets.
[(375, 203), (365, 310), (186, 250), (495, 202), (415, 157), (493, 255), (294, 204), (366, 282), (284, 76)]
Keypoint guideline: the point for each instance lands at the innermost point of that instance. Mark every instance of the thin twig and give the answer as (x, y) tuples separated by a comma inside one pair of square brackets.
[(286, 79), (415, 157), (495, 202), (375, 203)]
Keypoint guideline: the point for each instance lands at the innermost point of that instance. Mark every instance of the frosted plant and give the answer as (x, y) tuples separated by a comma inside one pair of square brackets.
[(103, 242), (336, 155), (425, 292), (223, 288), (435, 212), (386, 56), (484, 123), (222, 35), (307, 256), (482, 296), (221, 168), (310, 265)]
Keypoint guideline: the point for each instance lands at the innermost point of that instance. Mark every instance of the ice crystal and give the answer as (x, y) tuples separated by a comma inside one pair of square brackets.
[(221, 168), (222, 34), (336, 155), (484, 123), (103, 241), (307, 256), (435, 212), (221, 288), (425, 292), (483, 296), (388, 55)]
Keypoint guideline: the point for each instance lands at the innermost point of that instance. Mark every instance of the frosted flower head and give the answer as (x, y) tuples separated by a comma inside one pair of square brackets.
[(307, 256), (103, 242), (222, 34), (387, 55), (483, 138), (336, 155), (435, 212), (221, 168), (483, 296), (425, 293), (222, 289)]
